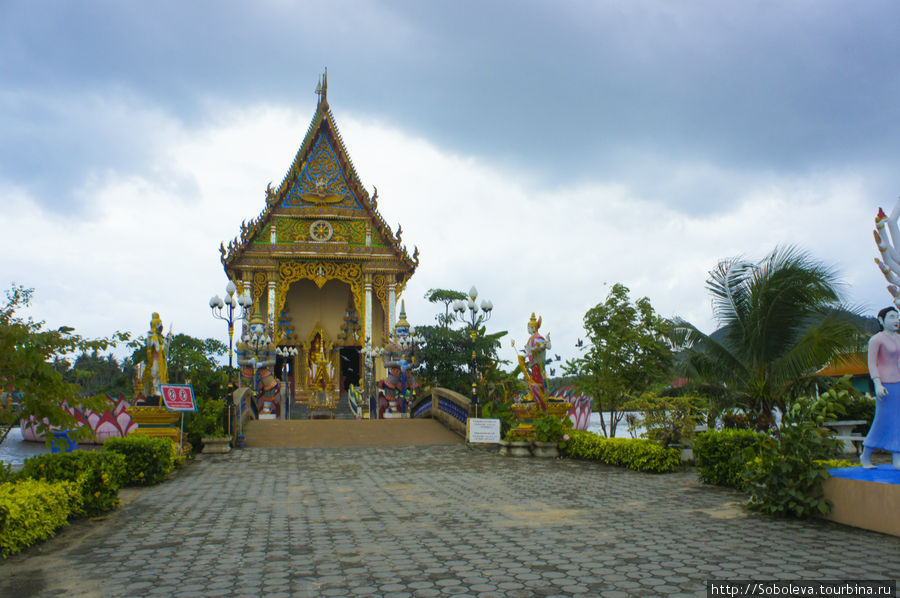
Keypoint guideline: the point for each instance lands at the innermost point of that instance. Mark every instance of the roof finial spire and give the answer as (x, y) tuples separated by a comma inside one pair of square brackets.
[(322, 88)]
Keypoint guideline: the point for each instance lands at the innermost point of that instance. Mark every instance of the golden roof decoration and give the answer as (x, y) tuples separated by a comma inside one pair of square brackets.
[(322, 124)]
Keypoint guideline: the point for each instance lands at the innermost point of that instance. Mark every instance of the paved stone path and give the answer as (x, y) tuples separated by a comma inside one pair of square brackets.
[(432, 521)]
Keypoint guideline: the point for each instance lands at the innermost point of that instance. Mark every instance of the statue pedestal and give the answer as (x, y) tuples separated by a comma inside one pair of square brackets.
[(866, 498)]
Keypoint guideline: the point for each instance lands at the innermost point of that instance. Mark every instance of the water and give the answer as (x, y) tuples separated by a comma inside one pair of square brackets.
[(621, 428), (16, 449)]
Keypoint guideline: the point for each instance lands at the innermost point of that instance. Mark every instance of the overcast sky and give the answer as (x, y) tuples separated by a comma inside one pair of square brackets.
[(541, 151)]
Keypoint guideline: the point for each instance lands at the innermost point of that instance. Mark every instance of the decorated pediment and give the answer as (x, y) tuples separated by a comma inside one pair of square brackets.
[(320, 203)]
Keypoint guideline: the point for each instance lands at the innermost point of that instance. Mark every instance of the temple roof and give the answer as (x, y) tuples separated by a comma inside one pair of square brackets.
[(320, 192)]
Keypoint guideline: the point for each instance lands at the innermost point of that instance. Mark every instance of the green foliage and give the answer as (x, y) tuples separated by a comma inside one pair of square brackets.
[(444, 360), (551, 428), (785, 478), (97, 374), (98, 475), (779, 319), (29, 355), (148, 460), (32, 510), (669, 419), (721, 456), (500, 410), (636, 454), (629, 351), (837, 463)]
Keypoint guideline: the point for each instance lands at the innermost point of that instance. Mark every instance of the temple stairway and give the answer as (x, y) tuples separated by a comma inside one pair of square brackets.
[(333, 433)]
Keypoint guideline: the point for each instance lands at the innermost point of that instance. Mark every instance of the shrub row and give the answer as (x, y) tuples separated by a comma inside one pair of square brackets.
[(721, 456), (147, 460), (98, 475), (633, 453), (56, 487), (30, 510)]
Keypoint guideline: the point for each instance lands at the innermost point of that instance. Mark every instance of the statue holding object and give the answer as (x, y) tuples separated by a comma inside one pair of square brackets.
[(399, 385), (156, 373), (884, 348), (256, 356), (538, 402)]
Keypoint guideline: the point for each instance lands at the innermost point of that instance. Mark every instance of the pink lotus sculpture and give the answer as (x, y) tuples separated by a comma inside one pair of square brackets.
[(114, 423), (580, 412)]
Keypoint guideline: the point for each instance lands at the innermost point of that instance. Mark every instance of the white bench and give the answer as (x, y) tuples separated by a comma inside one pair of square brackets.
[(844, 433)]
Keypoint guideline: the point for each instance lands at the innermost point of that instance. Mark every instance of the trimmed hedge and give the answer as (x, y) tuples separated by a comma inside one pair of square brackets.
[(98, 474), (148, 460), (720, 455), (31, 510), (634, 453)]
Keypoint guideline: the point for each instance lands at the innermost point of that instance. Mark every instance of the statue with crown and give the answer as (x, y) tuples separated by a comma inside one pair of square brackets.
[(398, 388), (538, 401), (256, 356)]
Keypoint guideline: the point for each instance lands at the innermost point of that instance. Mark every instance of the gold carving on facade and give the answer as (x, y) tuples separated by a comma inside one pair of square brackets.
[(259, 286), (319, 273)]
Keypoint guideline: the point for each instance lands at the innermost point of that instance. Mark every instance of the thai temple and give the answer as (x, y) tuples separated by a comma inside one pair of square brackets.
[(324, 270)]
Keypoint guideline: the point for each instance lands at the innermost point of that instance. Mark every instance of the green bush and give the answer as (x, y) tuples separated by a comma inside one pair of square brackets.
[(721, 456), (551, 428), (633, 453), (786, 479), (148, 460), (97, 473), (31, 510)]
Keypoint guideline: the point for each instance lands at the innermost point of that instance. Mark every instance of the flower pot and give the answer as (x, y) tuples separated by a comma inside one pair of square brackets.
[(520, 448), (216, 445), (546, 449), (504, 447)]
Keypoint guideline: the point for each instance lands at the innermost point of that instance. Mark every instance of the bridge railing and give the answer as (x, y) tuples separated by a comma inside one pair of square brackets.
[(448, 407)]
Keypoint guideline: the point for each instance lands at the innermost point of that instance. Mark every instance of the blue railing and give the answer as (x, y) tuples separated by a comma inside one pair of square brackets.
[(452, 409)]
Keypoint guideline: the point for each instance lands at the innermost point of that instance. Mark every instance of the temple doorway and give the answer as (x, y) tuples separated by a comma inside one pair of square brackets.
[(349, 367)]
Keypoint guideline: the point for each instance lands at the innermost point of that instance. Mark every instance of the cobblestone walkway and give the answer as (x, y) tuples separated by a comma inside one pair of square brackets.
[(432, 521)]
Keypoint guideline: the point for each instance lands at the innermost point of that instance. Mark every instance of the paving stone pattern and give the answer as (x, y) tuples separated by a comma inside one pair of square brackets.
[(445, 521)]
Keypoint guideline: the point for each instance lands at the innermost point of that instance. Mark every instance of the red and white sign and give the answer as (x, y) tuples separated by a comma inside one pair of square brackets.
[(179, 397)]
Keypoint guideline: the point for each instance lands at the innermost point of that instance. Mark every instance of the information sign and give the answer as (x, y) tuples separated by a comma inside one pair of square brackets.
[(484, 430), (179, 397)]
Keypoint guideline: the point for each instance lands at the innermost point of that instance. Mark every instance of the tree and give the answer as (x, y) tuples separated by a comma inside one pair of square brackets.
[(629, 351), (30, 356), (97, 374), (445, 296), (780, 320), (445, 358)]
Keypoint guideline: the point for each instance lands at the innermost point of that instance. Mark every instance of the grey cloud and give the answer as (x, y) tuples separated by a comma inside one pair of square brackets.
[(561, 90)]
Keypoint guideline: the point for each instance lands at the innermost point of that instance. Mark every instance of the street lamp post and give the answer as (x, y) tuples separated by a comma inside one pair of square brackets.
[(288, 354), (224, 309), (370, 353), (475, 317), (409, 345)]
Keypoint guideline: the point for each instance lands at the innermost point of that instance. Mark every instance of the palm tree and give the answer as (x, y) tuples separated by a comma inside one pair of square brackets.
[(780, 320)]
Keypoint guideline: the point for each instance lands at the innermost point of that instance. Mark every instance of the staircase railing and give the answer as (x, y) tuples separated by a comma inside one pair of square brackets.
[(448, 407)]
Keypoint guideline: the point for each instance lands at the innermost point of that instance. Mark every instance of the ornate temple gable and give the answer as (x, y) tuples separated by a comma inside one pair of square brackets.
[(320, 205)]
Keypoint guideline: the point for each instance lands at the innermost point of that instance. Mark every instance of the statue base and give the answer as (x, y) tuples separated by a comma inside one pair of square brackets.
[(866, 498)]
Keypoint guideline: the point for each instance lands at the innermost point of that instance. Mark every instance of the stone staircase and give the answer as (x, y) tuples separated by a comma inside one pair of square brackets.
[(300, 411)]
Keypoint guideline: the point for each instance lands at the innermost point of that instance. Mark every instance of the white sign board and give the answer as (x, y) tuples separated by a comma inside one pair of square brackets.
[(483, 430)]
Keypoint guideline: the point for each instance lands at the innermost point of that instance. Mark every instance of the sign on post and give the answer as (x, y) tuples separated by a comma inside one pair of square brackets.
[(179, 397), (483, 430)]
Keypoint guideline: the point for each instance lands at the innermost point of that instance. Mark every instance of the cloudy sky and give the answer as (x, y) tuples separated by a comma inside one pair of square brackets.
[(541, 151)]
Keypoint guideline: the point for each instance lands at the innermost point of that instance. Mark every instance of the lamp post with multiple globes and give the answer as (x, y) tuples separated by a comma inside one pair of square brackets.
[(224, 309), (473, 319), (370, 353), (287, 354)]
